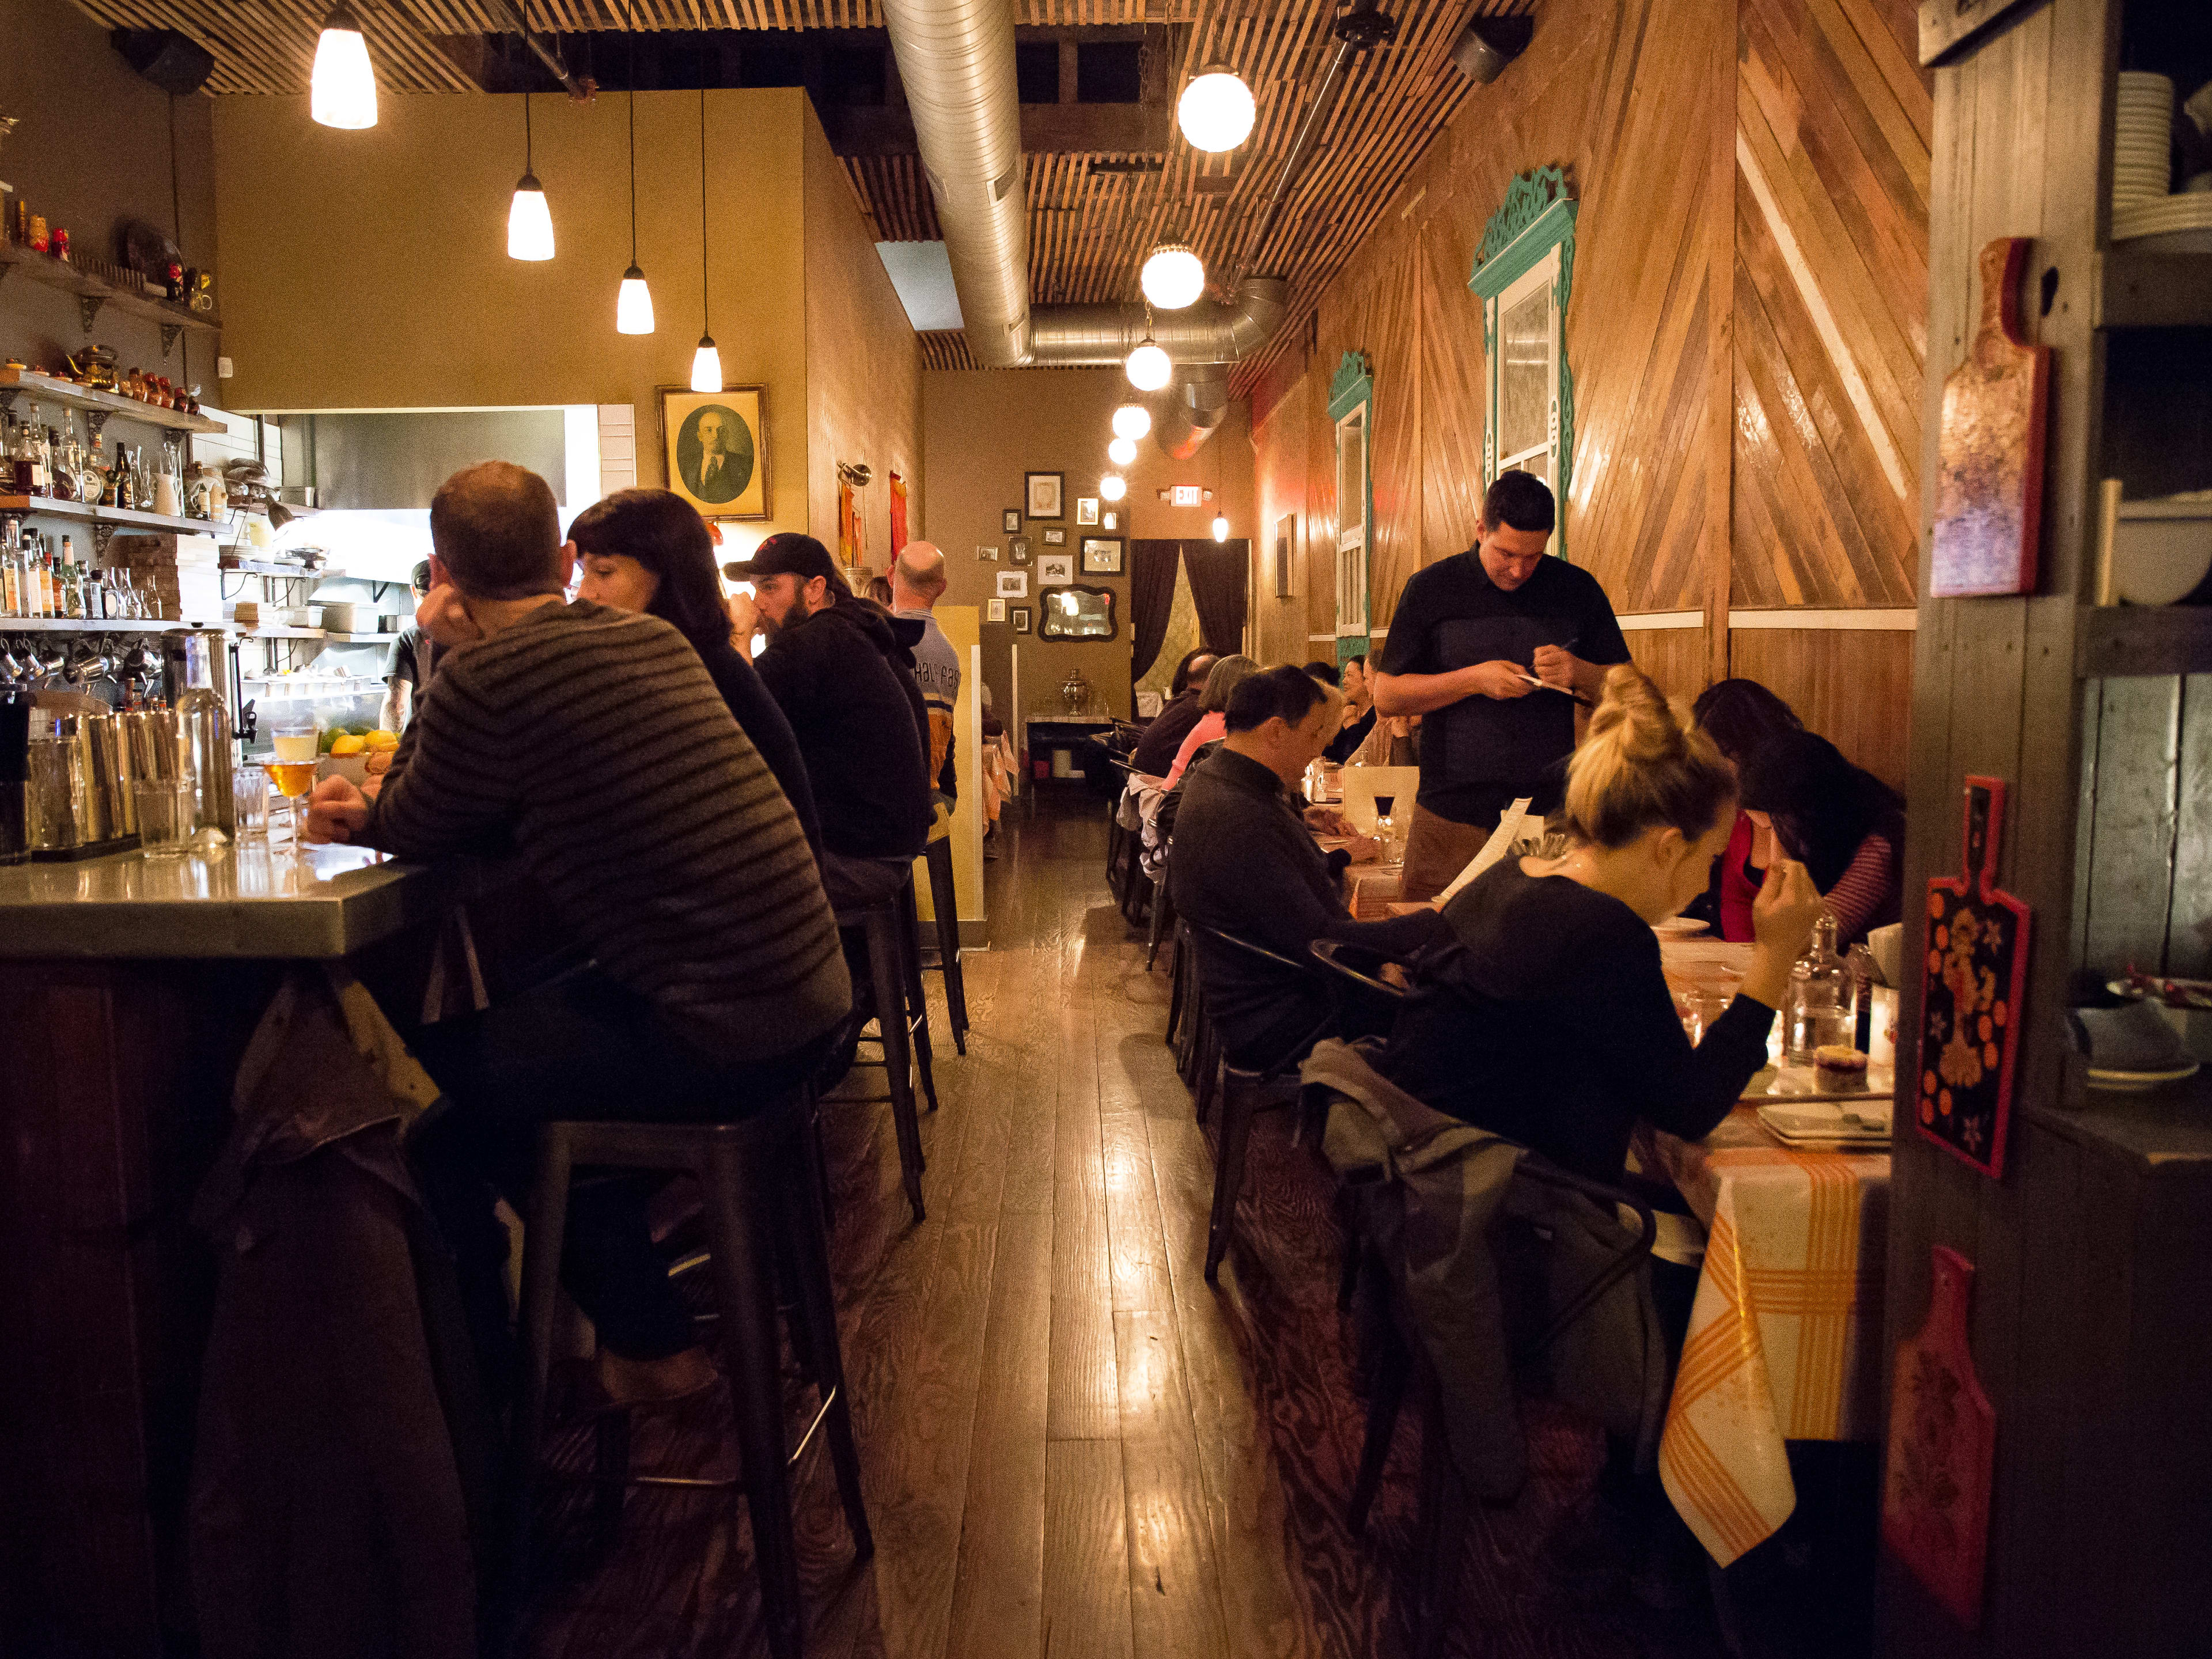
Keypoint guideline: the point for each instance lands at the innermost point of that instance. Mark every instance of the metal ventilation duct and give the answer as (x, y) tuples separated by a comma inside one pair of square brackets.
[(957, 60)]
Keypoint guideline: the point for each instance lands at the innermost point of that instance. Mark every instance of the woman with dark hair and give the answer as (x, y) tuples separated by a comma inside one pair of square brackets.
[(1739, 716), (647, 550), (1845, 824)]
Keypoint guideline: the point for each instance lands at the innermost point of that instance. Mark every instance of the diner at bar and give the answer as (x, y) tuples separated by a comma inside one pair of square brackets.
[(1337, 828)]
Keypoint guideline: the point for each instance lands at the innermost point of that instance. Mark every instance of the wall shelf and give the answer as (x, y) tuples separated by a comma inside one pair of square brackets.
[(361, 639), (45, 507), (47, 388), (75, 625), (2151, 290), (2121, 641), (97, 286)]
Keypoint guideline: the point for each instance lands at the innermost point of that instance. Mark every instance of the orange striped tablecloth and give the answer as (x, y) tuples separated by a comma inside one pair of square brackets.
[(1785, 1337)]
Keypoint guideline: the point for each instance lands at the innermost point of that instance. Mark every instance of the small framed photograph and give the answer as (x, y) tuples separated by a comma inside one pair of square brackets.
[(1019, 550), (1011, 521), (1113, 521), (1102, 556), (986, 553), (1042, 493), (1020, 613), (1013, 583), (714, 449), (1086, 509), (997, 611), (1055, 539), (1055, 569)]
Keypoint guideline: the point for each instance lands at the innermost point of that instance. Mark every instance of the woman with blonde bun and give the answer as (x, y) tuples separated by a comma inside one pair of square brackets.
[(1548, 1020)]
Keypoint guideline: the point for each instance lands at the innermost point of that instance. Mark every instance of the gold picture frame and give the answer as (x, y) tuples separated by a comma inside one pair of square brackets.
[(734, 420)]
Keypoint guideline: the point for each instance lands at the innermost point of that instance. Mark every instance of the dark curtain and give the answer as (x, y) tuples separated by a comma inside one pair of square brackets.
[(1218, 572), (1151, 599)]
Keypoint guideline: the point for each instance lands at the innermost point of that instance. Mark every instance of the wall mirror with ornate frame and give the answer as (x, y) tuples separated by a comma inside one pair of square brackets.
[(1078, 612)]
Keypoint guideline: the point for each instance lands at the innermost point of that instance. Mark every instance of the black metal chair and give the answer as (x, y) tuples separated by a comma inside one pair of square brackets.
[(946, 903), (1240, 1086), (760, 1179), (902, 1021)]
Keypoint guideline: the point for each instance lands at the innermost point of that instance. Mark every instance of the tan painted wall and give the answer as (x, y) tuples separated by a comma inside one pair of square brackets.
[(982, 430), (863, 362), (369, 271), (92, 150), (1280, 626)]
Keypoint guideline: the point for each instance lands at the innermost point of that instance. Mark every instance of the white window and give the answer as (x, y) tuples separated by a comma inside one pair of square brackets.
[(1524, 377), (1352, 526)]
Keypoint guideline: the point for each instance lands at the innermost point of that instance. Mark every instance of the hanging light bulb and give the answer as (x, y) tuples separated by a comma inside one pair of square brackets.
[(633, 301), (1149, 367), (1216, 109), (1122, 451), (342, 91), (1113, 486), (1173, 276), (1221, 528), (1132, 420), (529, 221), (706, 361)]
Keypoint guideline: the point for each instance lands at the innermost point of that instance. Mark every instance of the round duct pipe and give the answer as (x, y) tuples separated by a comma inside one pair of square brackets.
[(1194, 404)]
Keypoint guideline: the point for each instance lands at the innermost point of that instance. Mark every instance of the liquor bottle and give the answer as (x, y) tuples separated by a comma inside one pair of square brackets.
[(42, 470), (1820, 1004), (49, 589), (18, 460), (72, 582), (11, 595)]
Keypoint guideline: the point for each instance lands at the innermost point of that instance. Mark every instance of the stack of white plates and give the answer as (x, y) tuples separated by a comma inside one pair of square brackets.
[(2142, 136), (2177, 224)]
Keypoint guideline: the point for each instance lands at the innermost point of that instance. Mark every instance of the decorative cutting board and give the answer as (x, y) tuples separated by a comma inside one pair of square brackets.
[(1970, 1002), (1942, 1436), (1988, 488)]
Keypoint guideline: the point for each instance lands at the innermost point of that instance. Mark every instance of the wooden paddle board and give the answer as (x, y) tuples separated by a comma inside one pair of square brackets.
[(1989, 489), (1942, 1438)]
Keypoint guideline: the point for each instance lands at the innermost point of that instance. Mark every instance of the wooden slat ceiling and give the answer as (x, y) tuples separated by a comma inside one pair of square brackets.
[(1088, 230)]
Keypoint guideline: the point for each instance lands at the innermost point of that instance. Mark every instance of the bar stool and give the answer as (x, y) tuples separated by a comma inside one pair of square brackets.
[(760, 1191), (938, 856), (902, 1016)]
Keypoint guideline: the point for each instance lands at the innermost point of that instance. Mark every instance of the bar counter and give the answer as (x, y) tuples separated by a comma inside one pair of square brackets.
[(129, 988), (243, 900)]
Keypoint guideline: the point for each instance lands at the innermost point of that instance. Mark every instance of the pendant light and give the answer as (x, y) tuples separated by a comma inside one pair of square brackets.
[(634, 301), (1113, 486), (529, 221), (1122, 451), (1220, 519), (1216, 109), (1173, 276), (706, 361), (1149, 367), (342, 91), (1132, 420)]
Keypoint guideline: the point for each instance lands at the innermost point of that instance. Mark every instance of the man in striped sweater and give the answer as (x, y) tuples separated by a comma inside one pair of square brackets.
[(593, 743)]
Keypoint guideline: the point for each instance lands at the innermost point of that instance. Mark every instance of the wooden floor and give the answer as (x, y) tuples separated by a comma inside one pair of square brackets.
[(1074, 1446)]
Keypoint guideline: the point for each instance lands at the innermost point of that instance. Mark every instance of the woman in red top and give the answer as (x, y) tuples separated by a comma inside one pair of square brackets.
[(1741, 717)]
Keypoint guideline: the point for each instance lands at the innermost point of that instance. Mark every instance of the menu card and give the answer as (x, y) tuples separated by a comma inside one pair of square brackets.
[(1508, 827)]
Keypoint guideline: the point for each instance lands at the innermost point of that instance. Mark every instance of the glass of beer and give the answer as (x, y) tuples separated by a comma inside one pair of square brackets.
[(291, 767)]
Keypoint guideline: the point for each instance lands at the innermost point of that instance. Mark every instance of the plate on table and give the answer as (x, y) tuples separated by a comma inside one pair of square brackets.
[(2140, 1080), (1828, 1123), (1678, 926)]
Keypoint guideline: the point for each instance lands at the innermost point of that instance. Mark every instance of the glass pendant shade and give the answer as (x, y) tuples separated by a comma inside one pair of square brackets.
[(1216, 111), (634, 304), (706, 367), (1122, 451), (529, 221), (1132, 420), (1113, 486), (1173, 278), (1221, 528), (342, 92), (1149, 367)]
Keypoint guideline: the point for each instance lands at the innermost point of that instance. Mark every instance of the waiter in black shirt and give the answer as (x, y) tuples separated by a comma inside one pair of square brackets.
[(1495, 646)]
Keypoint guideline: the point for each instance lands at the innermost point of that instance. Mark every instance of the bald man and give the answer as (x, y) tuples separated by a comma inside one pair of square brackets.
[(918, 581)]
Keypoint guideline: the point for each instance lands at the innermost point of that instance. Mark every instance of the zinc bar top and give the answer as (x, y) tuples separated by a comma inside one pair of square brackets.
[(240, 902)]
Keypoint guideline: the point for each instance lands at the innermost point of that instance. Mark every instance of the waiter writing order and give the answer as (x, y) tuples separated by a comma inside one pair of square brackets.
[(1493, 645)]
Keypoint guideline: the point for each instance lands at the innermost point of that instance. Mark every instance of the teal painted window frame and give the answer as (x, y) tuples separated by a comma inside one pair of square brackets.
[(1352, 388), (1538, 215)]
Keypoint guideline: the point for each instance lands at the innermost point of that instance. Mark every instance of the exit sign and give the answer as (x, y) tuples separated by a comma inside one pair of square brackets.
[(1185, 495)]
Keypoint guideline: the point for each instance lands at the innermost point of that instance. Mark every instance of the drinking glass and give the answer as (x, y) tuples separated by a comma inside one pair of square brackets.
[(165, 816), (249, 792), (291, 767)]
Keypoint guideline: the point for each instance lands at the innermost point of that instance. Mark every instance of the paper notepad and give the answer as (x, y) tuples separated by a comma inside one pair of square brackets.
[(1509, 826)]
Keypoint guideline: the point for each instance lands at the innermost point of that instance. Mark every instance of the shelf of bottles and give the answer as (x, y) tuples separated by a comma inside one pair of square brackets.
[(97, 405)]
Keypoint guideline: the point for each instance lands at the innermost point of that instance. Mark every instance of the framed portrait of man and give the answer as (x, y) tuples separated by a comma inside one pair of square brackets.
[(1040, 492), (715, 448)]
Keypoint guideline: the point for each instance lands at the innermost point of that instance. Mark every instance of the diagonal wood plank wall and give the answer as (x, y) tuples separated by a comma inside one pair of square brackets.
[(1747, 333)]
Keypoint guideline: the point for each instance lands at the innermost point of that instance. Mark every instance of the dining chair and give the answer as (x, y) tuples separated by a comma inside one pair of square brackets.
[(1241, 1084)]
